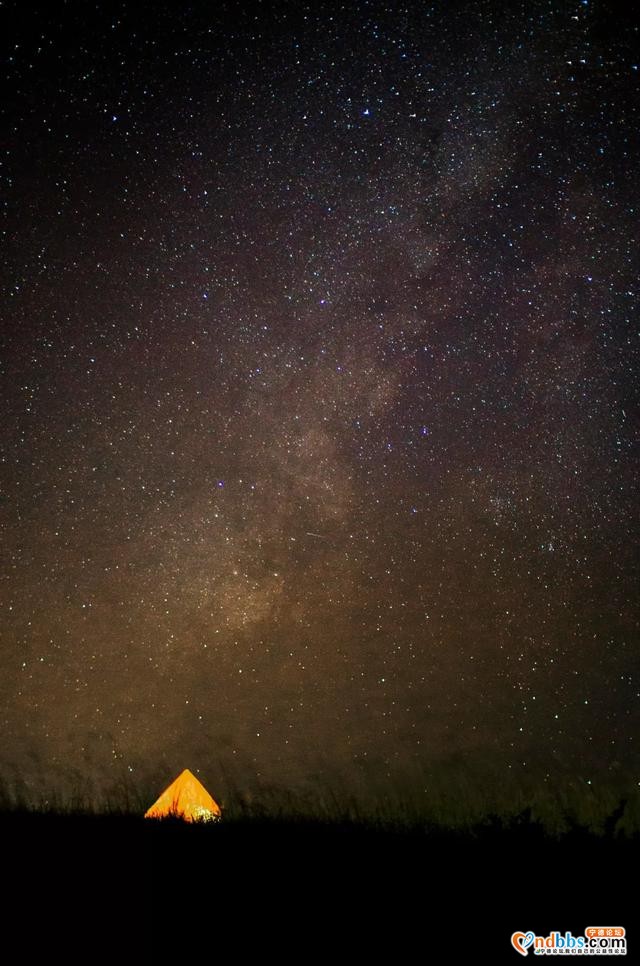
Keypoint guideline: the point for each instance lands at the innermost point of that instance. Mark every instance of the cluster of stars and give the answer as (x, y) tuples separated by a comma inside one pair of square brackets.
[(318, 358)]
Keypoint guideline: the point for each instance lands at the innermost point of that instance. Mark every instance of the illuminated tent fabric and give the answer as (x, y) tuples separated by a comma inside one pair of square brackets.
[(185, 798)]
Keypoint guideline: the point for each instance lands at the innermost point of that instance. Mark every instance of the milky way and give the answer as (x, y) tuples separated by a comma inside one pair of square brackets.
[(319, 383)]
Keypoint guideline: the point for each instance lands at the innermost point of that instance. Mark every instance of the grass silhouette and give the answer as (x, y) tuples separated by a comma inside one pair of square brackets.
[(384, 877)]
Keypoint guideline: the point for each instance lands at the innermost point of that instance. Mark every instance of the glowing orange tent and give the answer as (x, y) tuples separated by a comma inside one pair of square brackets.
[(186, 798)]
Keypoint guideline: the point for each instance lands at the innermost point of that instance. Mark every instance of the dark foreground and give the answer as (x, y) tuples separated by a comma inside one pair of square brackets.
[(299, 890)]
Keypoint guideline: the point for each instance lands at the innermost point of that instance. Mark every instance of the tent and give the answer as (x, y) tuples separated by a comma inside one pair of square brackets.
[(186, 798)]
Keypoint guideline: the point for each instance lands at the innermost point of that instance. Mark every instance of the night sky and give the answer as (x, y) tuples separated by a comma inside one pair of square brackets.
[(319, 371)]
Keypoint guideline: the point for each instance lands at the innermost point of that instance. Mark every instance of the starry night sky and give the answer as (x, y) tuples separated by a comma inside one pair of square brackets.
[(319, 371)]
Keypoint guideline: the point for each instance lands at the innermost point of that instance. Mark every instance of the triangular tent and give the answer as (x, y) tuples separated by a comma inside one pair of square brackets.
[(185, 798)]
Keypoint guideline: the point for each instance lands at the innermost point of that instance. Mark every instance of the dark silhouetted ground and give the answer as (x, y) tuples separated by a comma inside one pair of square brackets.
[(297, 890)]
